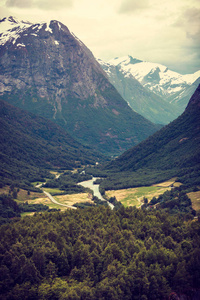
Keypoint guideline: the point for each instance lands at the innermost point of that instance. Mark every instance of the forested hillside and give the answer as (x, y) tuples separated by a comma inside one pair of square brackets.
[(100, 254), (172, 151), (31, 145)]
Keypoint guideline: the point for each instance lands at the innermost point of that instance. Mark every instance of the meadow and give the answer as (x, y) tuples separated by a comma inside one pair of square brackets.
[(135, 196)]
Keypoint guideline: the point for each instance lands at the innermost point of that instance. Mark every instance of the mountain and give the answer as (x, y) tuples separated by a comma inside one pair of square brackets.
[(30, 144), (140, 99), (170, 87), (172, 151), (47, 70)]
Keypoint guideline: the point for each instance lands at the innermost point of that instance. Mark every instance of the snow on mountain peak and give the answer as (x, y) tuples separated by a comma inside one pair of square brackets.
[(11, 29), (154, 76), (124, 60)]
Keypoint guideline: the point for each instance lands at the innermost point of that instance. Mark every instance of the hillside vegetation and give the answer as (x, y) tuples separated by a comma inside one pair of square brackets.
[(30, 146), (173, 151), (99, 254)]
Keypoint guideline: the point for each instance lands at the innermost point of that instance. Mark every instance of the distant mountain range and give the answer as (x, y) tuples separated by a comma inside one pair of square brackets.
[(47, 70), (151, 89), (172, 151)]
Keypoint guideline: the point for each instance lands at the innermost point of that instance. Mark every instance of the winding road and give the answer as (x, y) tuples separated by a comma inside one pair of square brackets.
[(54, 201), (88, 183)]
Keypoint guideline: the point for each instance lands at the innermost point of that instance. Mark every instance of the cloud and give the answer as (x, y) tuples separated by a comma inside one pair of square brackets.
[(130, 6), (53, 4), (19, 3), (189, 23), (41, 4)]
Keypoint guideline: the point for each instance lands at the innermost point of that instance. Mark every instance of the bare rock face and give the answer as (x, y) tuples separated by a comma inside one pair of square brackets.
[(49, 58), (45, 69)]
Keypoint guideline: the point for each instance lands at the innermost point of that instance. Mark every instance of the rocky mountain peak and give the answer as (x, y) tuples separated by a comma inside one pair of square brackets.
[(46, 69), (42, 53)]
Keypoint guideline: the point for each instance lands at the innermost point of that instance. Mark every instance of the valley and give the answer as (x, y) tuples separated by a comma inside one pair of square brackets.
[(128, 197), (99, 172)]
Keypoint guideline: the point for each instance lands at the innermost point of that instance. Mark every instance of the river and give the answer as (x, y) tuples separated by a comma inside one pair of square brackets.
[(95, 188)]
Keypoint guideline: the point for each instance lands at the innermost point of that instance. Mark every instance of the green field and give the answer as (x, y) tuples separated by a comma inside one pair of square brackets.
[(54, 191), (135, 196), (195, 198)]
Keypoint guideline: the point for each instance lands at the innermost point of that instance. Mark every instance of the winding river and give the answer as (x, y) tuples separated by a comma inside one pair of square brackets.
[(95, 188)]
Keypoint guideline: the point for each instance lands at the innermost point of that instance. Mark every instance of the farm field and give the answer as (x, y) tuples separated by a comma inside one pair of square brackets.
[(40, 198), (73, 198), (195, 198), (63, 199), (134, 196)]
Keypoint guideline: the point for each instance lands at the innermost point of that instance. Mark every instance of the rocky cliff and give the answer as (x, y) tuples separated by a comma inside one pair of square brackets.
[(47, 70)]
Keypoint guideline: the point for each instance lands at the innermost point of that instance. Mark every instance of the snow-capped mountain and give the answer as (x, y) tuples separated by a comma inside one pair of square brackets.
[(140, 99), (158, 78), (46, 69)]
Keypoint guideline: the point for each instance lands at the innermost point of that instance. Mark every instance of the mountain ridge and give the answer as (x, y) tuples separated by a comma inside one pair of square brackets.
[(140, 99), (172, 89), (47, 70), (172, 151)]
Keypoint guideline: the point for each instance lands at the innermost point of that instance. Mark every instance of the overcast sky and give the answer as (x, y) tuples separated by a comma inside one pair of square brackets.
[(166, 32)]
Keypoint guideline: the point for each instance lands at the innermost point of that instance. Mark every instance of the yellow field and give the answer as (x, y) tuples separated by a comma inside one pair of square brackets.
[(37, 198), (134, 196), (63, 199), (4, 190), (72, 199), (195, 198)]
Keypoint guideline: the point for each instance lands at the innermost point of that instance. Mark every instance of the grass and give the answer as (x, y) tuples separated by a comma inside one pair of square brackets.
[(63, 199), (23, 195), (24, 214), (37, 182), (54, 191), (74, 198), (195, 198), (4, 190), (46, 201), (134, 196)]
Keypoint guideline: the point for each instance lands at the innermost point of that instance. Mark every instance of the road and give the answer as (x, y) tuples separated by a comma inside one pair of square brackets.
[(54, 201)]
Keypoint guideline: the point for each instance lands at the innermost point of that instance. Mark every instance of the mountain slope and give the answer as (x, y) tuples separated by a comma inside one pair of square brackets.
[(30, 144), (171, 86), (45, 69), (173, 150), (140, 99)]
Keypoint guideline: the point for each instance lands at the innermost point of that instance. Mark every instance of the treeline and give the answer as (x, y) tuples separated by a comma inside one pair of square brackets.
[(68, 182), (174, 201), (97, 253), (27, 207), (146, 177), (8, 208)]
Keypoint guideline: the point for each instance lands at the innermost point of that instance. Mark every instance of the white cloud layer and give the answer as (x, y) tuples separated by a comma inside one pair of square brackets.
[(132, 6), (41, 4), (153, 30)]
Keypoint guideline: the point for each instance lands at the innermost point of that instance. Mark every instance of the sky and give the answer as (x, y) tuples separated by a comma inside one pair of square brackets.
[(166, 32)]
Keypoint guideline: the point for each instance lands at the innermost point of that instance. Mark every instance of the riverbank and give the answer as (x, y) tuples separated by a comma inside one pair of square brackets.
[(95, 188)]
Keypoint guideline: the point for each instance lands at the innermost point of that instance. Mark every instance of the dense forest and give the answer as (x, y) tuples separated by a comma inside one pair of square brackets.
[(97, 253)]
